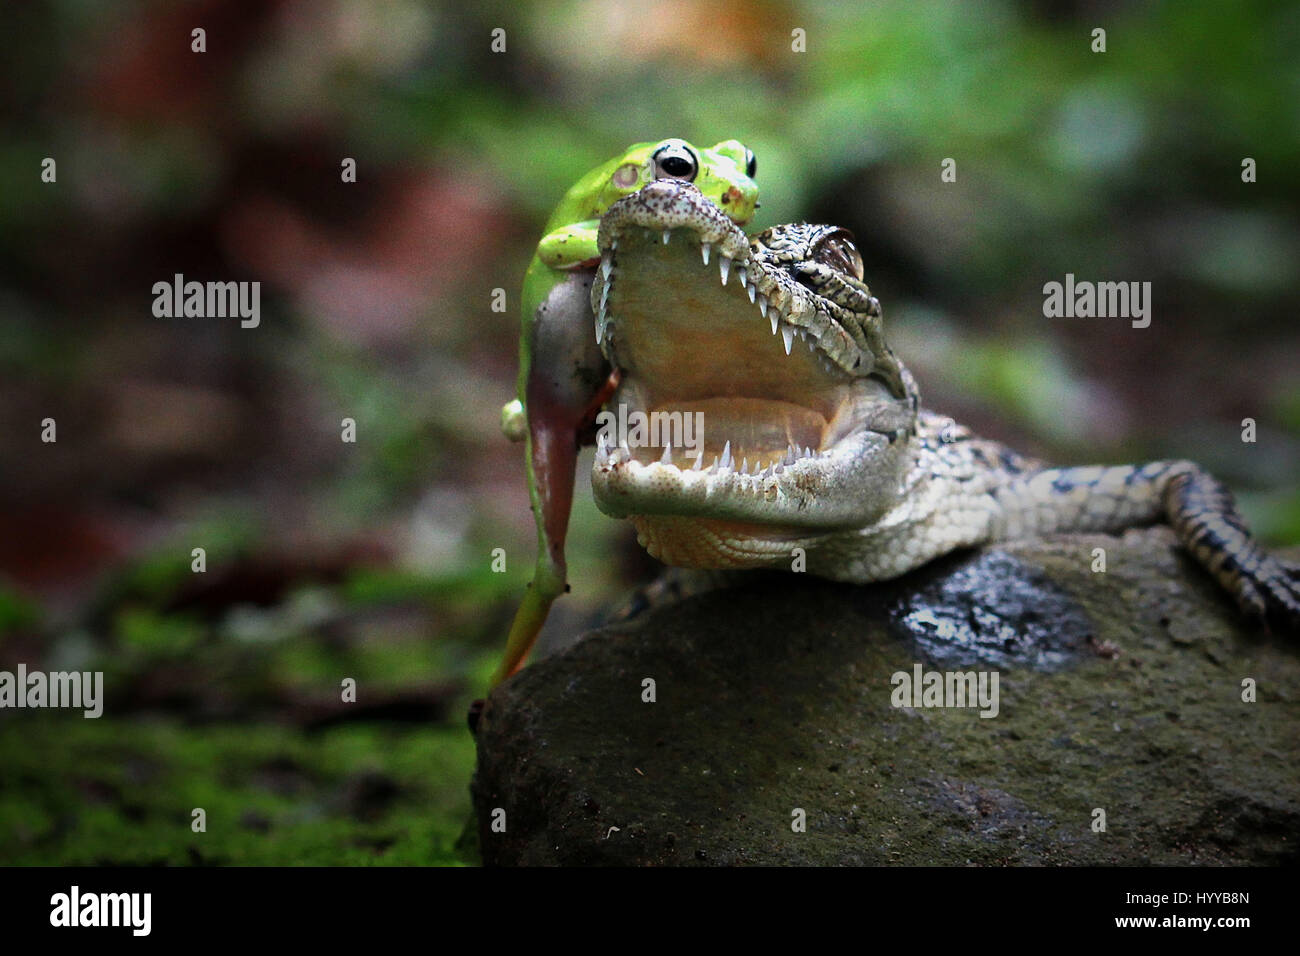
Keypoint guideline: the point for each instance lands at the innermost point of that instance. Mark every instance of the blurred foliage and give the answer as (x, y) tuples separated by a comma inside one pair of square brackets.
[(372, 560)]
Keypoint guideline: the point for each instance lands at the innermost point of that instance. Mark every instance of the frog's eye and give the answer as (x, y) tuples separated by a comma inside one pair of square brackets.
[(625, 176), (751, 163), (840, 253), (675, 160)]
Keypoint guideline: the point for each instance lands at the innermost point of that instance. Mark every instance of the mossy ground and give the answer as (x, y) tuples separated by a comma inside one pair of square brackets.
[(109, 791), (236, 709)]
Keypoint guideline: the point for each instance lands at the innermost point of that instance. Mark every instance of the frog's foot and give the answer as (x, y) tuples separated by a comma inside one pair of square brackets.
[(547, 585), (514, 421)]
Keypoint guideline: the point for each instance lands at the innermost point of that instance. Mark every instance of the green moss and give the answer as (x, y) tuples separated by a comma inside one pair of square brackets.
[(81, 792)]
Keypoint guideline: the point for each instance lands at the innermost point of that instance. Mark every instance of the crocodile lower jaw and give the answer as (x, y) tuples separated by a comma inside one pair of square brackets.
[(824, 490)]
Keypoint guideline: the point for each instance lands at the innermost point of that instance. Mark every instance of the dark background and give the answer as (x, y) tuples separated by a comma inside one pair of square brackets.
[(372, 560)]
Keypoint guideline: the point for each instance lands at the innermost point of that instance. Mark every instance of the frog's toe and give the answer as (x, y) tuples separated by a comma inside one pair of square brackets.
[(514, 423)]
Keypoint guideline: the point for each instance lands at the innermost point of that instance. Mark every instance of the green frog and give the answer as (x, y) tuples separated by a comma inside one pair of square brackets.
[(563, 377)]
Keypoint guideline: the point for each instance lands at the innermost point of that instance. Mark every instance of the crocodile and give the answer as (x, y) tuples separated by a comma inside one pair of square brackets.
[(816, 448)]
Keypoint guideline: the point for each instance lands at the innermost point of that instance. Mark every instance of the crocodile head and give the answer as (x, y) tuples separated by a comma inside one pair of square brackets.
[(777, 344)]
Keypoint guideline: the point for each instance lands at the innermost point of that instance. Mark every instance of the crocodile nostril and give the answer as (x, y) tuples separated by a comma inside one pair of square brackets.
[(809, 280)]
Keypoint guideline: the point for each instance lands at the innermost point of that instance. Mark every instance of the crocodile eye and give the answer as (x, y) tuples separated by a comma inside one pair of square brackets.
[(751, 163), (674, 160), (840, 253)]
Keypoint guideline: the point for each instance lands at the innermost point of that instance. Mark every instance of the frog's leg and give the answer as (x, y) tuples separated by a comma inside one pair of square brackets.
[(552, 455), (570, 246), (564, 379)]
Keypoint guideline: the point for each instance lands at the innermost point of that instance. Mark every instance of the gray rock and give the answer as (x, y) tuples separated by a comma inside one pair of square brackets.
[(1119, 690)]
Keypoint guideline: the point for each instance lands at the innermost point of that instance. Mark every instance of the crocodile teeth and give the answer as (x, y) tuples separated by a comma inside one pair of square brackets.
[(667, 234), (773, 318), (787, 334), (704, 252), (753, 291), (744, 466), (726, 455), (699, 461), (724, 268), (743, 276), (607, 264), (601, 319), (762, 308), (667, 457)]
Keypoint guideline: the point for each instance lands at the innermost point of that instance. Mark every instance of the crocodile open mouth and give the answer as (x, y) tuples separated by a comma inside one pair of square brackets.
[(687, 345), (747, 392)]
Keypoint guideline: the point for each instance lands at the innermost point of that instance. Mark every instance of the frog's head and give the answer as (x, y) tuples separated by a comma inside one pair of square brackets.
[(724, 174)]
